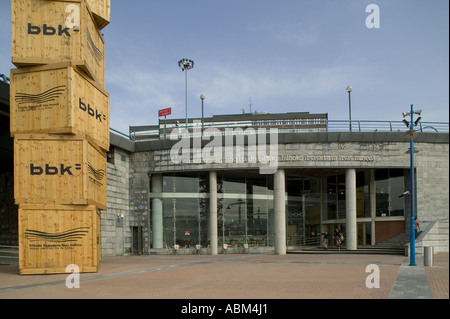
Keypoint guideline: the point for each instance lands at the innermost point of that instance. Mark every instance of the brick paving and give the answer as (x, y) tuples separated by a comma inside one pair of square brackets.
[(292, 276), (438, 277)]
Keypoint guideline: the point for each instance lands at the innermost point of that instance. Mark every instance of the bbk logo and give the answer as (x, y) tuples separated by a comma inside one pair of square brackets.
[(48, 30), (62, 169), (72, 22), (91, 111)]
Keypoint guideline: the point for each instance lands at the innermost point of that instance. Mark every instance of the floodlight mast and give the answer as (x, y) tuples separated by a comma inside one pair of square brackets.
[(185, 64)]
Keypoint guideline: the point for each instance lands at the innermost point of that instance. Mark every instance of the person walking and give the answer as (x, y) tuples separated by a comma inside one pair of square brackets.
[(325, 237), (339, 237), (416, 227)]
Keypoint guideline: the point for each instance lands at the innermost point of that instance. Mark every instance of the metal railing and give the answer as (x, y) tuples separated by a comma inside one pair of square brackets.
[(383, 126), (288, 126)]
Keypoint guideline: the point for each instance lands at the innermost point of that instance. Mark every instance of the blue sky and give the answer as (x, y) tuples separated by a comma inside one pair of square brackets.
[(284, 56)]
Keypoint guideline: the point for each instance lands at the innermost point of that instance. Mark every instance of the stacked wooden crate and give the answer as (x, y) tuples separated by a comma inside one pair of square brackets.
[(60, 124)]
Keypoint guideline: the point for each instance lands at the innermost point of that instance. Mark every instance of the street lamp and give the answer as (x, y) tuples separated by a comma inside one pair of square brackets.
[(411, 134), (349, 89), (202, 97), (185, 64)]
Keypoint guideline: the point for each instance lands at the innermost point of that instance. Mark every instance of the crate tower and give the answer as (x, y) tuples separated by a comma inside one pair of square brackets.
[(60, 125)]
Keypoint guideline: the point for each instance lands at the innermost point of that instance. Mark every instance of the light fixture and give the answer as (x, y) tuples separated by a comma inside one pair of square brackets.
[(185, 64), (404, 193), (411, 133), (415, 151)]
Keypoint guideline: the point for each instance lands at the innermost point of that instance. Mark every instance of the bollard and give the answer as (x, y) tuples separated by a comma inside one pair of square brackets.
[(428, 254)]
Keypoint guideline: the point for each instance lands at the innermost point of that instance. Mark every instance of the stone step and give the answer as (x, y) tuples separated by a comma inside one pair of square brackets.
[(9, 255), (399, 240), (361, 250)]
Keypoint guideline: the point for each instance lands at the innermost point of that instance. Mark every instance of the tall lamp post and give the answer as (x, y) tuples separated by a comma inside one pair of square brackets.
[(202, 97), (411, 134), (185, 64), (349, 90)]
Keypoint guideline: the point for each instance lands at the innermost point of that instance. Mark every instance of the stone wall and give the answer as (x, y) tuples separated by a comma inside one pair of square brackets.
[(139, 201), (115, 229), (432, 181), (305, 154)]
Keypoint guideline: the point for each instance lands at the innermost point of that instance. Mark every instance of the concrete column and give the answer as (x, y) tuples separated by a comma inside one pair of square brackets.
[(351, 236), (157, 210), (213, 212), (279, 212)]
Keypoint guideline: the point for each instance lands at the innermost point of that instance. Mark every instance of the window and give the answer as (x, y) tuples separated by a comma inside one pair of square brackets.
[(389, 185)]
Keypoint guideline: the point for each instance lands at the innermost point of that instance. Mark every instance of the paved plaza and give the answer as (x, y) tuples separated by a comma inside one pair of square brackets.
[(292, 276)]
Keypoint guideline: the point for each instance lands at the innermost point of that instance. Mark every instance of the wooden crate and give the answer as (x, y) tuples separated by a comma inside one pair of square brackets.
[(101, 10), (56, 169), (51, 237), (58, 98), (45, 32)]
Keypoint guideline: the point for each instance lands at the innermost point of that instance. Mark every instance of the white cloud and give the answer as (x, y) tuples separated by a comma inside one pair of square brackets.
[(227, 86)]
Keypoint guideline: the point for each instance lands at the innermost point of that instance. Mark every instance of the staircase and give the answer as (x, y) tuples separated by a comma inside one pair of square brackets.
[(435, 234), (398, 241), (393, 246), (370, 250), (9, 255)]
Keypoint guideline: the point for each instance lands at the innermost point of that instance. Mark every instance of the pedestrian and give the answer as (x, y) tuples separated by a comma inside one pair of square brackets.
[(416, 227), (338, 237), (325, 237)]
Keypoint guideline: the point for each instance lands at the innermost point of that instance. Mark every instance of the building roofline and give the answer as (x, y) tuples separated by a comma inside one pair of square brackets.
[(290, 138)]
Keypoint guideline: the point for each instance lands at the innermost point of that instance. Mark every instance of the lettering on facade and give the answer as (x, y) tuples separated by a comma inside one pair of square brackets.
[(262, 147), (326, 158)]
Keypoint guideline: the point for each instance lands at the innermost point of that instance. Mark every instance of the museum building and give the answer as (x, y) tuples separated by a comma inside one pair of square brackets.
[(270, 183)]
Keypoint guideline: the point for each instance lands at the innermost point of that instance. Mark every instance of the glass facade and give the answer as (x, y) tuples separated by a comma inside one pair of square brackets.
[(363, 193), (389, 184), (303, 209), (245, 206), (185, 209)]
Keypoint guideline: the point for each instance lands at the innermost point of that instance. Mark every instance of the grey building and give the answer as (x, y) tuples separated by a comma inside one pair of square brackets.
[(270, 188), (284, 122)]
